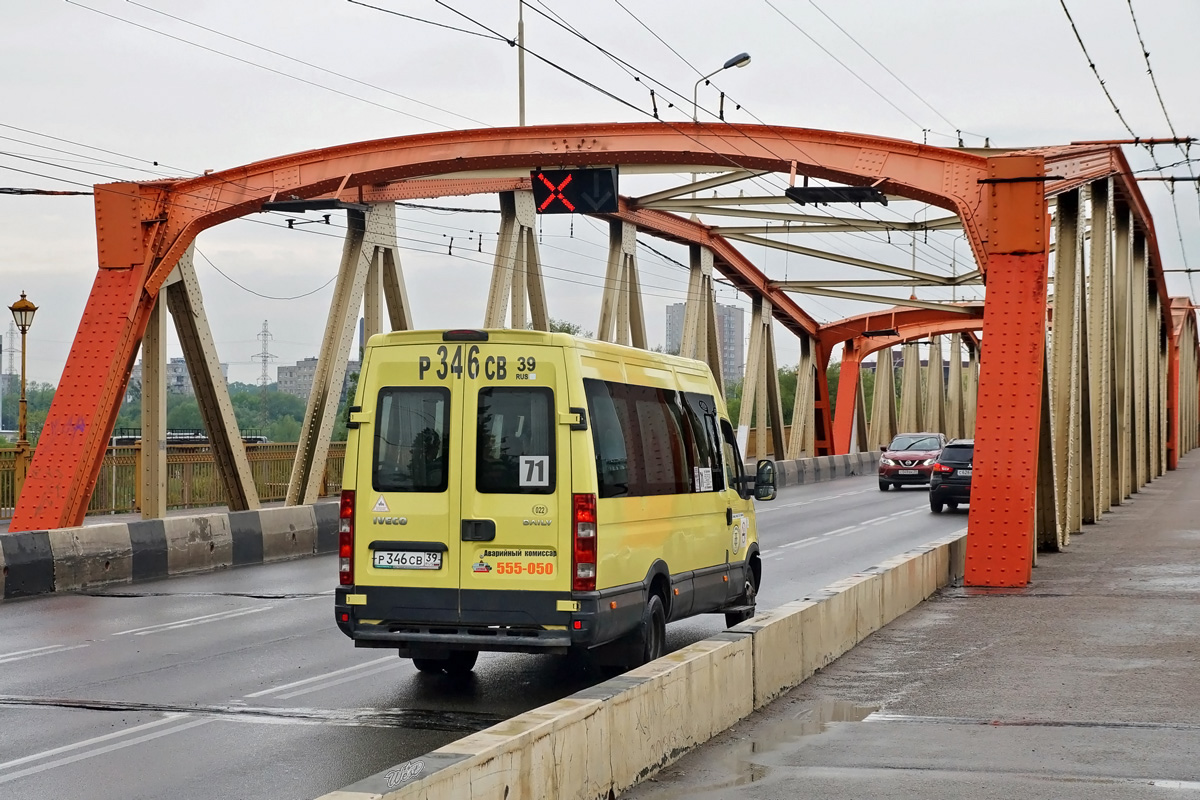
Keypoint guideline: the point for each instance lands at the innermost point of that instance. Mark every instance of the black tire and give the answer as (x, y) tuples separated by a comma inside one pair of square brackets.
[(884, 485), (935, 505), (654, 630), (461, 662), (431, 665), (747, 599)]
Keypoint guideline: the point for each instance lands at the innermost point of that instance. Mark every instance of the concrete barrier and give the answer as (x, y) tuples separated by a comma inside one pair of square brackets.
[(87, 557), (601, 741), (75, 559), (821, 468)]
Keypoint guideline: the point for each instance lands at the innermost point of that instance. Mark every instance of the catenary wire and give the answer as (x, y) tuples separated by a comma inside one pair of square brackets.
[(264, 67), (311, 65)]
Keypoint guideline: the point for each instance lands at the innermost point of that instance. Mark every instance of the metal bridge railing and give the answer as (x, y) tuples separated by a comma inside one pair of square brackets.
[(193, 480)]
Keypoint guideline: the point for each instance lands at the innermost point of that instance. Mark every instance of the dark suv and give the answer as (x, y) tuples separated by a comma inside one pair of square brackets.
[(951, 481), (908, 460)]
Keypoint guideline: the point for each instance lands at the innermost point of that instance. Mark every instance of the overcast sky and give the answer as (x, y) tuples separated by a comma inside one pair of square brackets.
[(86, 73)]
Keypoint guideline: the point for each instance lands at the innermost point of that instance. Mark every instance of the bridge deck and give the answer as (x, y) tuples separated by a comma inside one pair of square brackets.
[(1080, 686)]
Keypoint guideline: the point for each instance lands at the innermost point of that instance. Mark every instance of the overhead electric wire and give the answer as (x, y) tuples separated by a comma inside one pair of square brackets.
[(844, 66), (255, 64), (260, 294), (1121, 117), (627, 66), (310, 64), (885, 68), (1166, 115)]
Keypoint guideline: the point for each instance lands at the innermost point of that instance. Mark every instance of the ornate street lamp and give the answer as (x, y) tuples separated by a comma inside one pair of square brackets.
[(22, 312)]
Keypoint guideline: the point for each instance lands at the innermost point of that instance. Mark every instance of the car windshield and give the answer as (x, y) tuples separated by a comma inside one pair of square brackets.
[(958, 454), (915, 443)]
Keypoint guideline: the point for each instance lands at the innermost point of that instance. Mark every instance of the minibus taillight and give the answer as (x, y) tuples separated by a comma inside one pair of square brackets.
[(346, 539), (583, 552)]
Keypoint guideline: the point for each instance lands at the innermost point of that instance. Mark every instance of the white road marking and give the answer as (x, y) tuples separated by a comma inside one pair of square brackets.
[(21, 655), (396, 662), (190, 621), (316, 678), (12, 776)]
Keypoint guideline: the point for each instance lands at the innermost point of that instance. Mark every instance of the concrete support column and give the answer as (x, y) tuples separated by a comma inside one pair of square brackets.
[(760, 388), (972, 392), (935, 389), (800, 443), (212, 391), (153, 478), (517, 274), (1064, 368), (701, 334), (912, 412), (621, 318), (883, 404), (954, 390), (366, 234), (1122, 369)]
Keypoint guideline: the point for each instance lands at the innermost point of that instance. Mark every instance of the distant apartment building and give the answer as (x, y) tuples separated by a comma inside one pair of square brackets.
[(177, 377), (297, 379), (731, 332)]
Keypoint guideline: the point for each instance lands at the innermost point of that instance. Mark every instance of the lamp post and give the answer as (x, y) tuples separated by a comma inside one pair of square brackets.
[(740, 60), (22, 312)]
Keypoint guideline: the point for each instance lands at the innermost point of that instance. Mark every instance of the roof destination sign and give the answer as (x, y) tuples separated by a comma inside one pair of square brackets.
[(575, 191)]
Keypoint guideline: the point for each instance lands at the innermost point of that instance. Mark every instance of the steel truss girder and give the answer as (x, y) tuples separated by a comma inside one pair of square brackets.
[(517, 274), (208, 381), (143, 230), (701, 334), (368, 236), (621, 317), (883, 406), (761, 398), (801, 440)]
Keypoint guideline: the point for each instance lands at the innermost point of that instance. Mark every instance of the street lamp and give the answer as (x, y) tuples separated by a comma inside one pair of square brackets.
[(740, 60), (22, 312)]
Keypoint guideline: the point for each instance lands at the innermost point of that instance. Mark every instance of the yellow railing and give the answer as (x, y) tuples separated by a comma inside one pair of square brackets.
[(192, 477)]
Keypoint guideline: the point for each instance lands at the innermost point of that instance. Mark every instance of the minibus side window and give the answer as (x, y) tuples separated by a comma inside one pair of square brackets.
[(514, 444), (733, 459), (608, 438), (411, 434), (661, 441), (637, 432), (700, 412)]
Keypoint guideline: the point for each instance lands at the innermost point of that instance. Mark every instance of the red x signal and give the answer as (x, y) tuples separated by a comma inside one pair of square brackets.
[(555, 192)]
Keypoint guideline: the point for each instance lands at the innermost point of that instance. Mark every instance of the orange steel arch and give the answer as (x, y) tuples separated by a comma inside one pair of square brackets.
[(908, 323), (143, 229)]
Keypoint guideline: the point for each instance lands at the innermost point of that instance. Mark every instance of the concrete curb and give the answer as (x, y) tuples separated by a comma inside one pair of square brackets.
[(603, 740), (75, 559), (821, 468)]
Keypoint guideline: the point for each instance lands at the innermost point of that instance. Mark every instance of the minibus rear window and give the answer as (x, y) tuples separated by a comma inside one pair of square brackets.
[(515, 441), (412, 430)]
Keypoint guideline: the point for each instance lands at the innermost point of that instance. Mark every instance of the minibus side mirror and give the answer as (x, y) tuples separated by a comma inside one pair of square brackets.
[(764, 482)]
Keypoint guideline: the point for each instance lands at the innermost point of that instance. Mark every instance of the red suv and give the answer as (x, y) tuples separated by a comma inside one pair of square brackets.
[(909, 459)]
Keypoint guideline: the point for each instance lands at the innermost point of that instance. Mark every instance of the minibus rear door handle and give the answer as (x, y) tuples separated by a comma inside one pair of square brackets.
[(478, 530)]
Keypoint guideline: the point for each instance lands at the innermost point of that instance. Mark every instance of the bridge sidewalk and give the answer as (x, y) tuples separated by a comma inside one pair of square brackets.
[(1082, 686)]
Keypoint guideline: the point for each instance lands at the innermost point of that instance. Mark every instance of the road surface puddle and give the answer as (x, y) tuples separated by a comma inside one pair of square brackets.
[(741, 761)]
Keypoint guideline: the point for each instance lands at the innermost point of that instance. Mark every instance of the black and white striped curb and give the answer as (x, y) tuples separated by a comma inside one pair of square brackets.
[(71, 559)]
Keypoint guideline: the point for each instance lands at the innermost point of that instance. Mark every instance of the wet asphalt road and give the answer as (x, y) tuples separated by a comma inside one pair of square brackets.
[(239, 685)]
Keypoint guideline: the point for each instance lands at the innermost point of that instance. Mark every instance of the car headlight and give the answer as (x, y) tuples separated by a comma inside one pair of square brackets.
[(887, 462), (928, 462)]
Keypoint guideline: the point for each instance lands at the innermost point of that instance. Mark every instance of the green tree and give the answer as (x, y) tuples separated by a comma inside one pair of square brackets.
[(566, 326)]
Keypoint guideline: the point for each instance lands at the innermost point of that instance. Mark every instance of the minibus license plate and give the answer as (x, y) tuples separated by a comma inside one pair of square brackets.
[(406, 559), (908, 472)]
